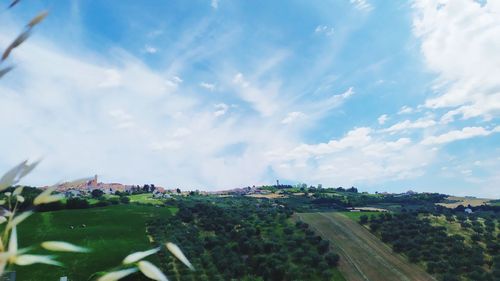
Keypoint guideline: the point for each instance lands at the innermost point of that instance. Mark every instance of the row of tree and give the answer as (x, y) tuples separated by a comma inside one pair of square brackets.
[(244, 239), (449, 257)]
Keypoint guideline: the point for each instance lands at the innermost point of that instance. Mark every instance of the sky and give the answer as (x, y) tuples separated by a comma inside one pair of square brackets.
[(216, 94)]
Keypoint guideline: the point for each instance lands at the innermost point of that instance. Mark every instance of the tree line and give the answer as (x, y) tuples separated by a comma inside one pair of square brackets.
[(244, 239)]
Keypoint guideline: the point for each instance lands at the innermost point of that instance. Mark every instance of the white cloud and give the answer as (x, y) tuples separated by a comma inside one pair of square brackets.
[(354, 138), (362, 5), (382, 118), (177, 80), (465, 133), (460, 40), (150, 49), (214, 4), (407, 124), (264, 99), (69, 105), (348, 93), (357, 157), (123, 120), (221, 109), (324, 29), (240, 80), (293, 117), (112, 78), (208, 86), (155, 33), (181, 132), (405, 110)]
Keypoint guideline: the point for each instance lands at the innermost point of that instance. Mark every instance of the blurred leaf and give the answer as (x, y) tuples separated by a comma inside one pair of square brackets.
[(60, 246), (46, 197), (31, 259), (176, 251), (28, 168), (151, 271), (117, 275), (12, 176), (39, 18), (139, 255), (13, 242), (18, 219), (13, 3), (18, 190), (5, 71), (19, 40)]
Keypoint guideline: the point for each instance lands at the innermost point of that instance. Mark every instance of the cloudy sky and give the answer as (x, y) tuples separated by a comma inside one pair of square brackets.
[(207, 94)]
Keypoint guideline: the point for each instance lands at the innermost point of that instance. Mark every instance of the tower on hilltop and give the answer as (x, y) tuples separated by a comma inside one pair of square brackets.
[(94, 181)]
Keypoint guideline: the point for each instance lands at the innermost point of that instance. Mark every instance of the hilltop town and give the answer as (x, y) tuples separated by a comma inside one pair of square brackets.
[(71, 189)]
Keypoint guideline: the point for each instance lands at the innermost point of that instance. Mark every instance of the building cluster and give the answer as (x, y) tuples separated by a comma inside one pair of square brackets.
[(85, 188)]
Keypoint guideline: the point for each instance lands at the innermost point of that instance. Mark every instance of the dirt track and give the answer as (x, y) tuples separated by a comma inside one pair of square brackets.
[(363, 256)]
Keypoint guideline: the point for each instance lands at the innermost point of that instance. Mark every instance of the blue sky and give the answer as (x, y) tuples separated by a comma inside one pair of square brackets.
[(382, 95)]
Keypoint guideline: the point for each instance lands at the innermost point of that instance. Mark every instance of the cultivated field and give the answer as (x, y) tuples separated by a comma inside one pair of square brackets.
[(454, 201), (145, 198), (111, 232), (356, 215), (363, 256), (267, 196)]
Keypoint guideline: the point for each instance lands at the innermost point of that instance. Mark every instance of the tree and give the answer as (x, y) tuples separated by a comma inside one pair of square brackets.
[(97, 193), (413, 255), (125, 199), (323, 246), (332, 259), (363, 219), (77, 203), (352, 189)]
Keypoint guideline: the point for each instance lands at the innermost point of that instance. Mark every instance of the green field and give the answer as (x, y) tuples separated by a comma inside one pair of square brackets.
[(494, 203), (145, 198), (111, 232), (363, 256), (355, 215)]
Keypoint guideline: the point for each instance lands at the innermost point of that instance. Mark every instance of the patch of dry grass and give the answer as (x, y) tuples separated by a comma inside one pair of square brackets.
[(363, 255), (455, 201), (268, 196)]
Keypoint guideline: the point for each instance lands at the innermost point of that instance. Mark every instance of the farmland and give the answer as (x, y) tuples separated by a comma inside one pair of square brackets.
[(363, 256), (356, 215), (145, 198), (272, 237), (111, 232), (454, 201)]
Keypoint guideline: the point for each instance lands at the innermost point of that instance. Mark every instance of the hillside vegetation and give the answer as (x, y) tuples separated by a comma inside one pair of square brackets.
[(111, 232), (363, 256), (244, 239), (468, 250)]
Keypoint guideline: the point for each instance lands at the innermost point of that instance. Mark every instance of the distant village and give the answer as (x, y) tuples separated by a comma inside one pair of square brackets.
[(85, 189)]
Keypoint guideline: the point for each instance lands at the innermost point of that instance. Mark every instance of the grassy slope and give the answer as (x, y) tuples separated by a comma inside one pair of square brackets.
[(112, 232), (355, 215), (364, 257), (145, 198), (454, 201), (454, 227)]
